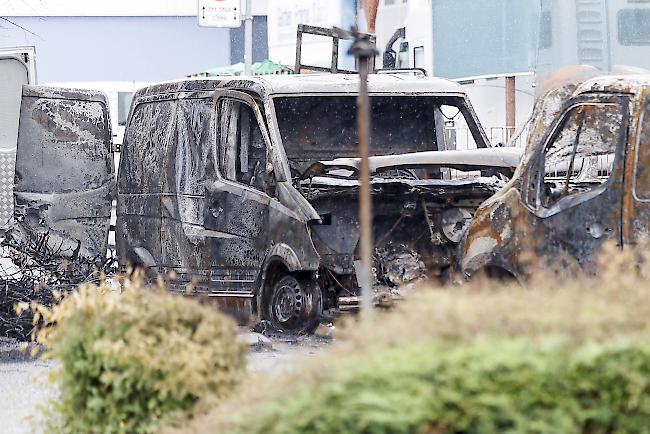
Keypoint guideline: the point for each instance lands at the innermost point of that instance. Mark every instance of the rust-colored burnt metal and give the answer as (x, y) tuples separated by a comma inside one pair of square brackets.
[(580, 183)]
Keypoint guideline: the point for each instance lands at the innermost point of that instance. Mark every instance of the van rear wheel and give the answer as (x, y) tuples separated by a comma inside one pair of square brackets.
[(294, 305)]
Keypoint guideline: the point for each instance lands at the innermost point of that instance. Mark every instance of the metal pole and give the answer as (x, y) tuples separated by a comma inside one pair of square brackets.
[(365, 198), (248, 39), (511, 107), (364, 50)]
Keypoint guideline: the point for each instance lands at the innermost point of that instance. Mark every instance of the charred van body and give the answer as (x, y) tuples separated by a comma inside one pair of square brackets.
[(247, 189)]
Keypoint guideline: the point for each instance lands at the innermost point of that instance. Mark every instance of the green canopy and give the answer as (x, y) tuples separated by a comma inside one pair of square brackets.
[(265, 67)]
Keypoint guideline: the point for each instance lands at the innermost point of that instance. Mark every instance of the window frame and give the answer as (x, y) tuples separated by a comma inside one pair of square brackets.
[(619, 28), (246, 99), (463, 103), (537, 166)]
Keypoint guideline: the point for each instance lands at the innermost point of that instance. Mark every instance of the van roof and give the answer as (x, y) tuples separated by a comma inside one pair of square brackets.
[(632, 84), (311, 83)]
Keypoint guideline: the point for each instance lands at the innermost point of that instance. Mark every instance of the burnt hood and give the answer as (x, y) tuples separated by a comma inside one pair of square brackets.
[(474, 159), (65, 174)]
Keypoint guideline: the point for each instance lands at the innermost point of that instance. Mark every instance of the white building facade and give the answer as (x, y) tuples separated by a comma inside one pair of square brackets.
[(284, 17)]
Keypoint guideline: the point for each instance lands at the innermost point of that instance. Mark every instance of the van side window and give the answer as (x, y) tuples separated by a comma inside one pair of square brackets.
[(581, 156), (242, 151), (642, 164), (145, 143)]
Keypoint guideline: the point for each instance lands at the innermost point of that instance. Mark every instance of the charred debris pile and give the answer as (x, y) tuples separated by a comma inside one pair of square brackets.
[(34, 266)]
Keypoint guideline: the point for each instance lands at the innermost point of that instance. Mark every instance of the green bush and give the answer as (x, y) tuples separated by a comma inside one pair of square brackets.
[(131, 361), (491, 386), (561, 357)]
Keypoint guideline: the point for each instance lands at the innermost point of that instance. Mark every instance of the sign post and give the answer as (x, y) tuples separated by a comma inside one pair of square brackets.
[(248, 39)]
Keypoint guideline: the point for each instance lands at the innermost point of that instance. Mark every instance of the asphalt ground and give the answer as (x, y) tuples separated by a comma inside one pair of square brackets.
[(24, 389)]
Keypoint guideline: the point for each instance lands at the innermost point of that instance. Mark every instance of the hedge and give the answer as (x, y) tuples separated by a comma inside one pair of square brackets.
[(489, 386)]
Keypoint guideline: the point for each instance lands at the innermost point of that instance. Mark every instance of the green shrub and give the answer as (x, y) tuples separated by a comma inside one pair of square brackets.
[(561, 357), (491, 386), (130, 361)]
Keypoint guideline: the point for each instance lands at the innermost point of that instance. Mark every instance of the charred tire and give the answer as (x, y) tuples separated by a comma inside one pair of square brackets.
[(294, 305)]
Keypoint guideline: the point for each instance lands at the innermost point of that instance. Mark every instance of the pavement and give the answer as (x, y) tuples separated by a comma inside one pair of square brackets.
[(23, 387), (23, 379)]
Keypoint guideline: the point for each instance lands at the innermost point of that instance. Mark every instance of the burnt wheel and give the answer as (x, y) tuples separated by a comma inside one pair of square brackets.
[(294, 305)]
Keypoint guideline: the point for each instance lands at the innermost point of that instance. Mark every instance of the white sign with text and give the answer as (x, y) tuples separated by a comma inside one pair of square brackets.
[(220, 13)]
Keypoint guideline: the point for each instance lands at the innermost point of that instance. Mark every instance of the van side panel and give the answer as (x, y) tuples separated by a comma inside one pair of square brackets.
[(140, 183), (188, 165)]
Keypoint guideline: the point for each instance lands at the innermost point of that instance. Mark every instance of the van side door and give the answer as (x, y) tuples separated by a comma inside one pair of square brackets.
[(65, 176), (575, 185), (140, 182), (237, 200)]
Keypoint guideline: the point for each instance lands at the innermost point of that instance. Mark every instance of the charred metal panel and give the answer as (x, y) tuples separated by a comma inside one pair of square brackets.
[(140, 183), (585, 212), (173, 208), (239, 223), (636, 209), (188, 164), (65, 177)]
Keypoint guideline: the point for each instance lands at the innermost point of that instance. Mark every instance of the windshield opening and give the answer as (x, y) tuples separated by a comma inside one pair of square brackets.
[(322, 128)]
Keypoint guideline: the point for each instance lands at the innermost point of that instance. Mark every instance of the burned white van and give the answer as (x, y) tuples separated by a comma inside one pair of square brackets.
[(246, 189)]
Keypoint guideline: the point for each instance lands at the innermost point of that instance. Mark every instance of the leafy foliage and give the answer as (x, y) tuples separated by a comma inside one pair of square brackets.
[(496, 385), (130, 360)]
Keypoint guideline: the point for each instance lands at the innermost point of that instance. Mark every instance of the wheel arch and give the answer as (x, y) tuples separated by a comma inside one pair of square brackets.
[(280, 261)]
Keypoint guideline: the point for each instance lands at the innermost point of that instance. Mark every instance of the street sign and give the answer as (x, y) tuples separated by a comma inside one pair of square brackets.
[(220, 13)]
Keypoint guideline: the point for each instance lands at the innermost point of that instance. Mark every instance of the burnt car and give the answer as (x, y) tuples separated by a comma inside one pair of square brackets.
[(246, 189), (583, 180)]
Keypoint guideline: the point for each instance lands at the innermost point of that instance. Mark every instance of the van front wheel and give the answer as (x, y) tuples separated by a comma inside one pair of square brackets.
[(294, 305)]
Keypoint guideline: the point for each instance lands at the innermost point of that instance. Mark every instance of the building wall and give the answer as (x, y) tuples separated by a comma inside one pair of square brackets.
[(89, 48), (484, 37), (260, 41), (284, 17), (601, 33)]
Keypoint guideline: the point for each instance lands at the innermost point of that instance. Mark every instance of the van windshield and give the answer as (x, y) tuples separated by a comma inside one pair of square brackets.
[(322, 128)]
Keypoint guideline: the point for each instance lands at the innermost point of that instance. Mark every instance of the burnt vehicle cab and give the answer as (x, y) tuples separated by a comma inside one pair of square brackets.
[(584, 179), (246, 189)]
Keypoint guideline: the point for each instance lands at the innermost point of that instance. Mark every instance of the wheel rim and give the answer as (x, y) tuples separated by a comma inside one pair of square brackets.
[(288, 302)]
